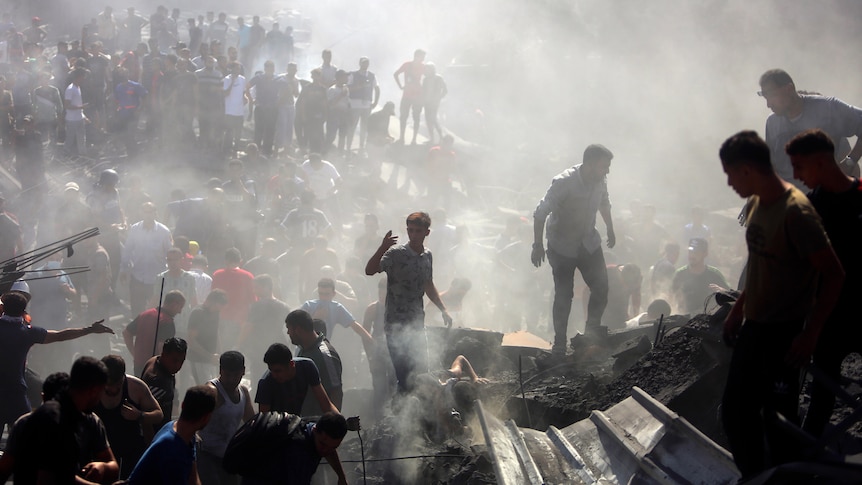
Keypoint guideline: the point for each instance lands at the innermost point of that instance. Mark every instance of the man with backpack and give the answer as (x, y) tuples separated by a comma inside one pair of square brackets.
[(280, 448)]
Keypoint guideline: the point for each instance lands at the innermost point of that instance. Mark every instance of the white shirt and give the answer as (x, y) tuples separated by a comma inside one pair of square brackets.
[(233, 102), (203, 283), (322, 180), (145, 251), (73, 95)]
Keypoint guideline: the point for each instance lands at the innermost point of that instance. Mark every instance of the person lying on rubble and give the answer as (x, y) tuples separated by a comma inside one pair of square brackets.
[(452, 394)]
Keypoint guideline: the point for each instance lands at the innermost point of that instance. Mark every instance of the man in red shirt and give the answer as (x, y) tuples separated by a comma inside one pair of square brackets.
[(141, 335), (239, 286)]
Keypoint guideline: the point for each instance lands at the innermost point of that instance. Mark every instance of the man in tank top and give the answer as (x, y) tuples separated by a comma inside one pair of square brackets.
[(233, 407), (126, 404)]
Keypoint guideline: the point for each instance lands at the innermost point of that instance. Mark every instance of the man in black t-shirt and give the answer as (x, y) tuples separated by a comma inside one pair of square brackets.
[(284, 386), (838, 199), (300, 328)]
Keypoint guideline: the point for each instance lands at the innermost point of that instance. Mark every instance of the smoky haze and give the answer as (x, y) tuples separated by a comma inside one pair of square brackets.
[(661, 83)]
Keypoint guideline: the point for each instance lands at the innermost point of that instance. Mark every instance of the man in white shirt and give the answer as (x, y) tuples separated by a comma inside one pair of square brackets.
[(235, 99), (76, 139), (143, 257)]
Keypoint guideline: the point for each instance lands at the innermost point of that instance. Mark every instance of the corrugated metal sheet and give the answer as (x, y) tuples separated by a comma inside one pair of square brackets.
[(637, 441)]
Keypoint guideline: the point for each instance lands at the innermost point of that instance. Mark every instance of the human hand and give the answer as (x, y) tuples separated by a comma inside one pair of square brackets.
[(538, 254), (130, 412), (447, 319), (97, 327), (94, 471), (389, 240), (612, 239)]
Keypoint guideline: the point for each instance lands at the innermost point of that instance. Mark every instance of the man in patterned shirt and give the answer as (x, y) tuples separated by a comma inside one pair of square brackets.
[(408, 269)]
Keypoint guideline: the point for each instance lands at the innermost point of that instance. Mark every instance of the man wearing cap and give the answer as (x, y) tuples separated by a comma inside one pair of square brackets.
[(694, 282), (794, 112), (16, 338)]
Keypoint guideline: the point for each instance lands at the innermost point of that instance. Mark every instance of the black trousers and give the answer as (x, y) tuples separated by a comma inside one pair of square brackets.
[(759, 385)]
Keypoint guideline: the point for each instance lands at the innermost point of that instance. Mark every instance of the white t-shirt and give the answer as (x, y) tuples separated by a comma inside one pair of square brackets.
[(322, 180), (233, 102), (73, 95)]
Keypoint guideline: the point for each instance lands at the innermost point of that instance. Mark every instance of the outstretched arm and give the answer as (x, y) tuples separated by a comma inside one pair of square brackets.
[(73, 333)]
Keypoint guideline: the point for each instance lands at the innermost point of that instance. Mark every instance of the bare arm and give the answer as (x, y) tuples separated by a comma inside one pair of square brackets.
[(434, 296), (373, 265), (73, 333), (360, 330), (248, 412), (150, 411), (103, 470), (461, 367), (370, 315), (831, 278), (323, 399), (335, 462)]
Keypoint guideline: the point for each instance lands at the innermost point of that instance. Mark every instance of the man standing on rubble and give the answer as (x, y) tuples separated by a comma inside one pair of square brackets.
[(573, 241), (409, 279), (838, 200), (793, 281)]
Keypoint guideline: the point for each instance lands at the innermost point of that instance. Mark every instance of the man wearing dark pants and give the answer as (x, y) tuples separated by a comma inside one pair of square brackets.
[(573, 241), (792, 284), (838, 200), (409, 278)]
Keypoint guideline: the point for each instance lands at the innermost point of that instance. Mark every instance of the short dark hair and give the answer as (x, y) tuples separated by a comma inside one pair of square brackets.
[(278, 354), (746, 148), (810, 142), (14, 303), (232, 255), (332, 424), (116, 367), (55, 384), (217, 295), (175, 345), (596, 152), (301, 319), (326, 283), (87, 372), (174, 296), (777, 77), (420, 218), (264, 280), (198, 402), (231, 361)]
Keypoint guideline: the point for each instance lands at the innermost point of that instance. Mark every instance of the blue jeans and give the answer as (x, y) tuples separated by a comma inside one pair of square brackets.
[(595, 274)]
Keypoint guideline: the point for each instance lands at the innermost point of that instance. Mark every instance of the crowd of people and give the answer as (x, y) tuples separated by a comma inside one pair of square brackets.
[(277, 241)]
